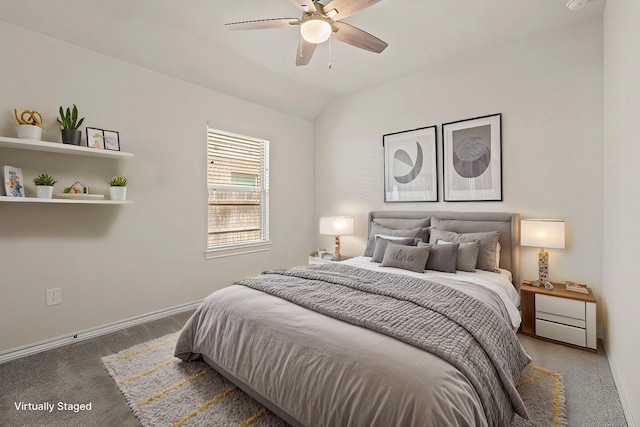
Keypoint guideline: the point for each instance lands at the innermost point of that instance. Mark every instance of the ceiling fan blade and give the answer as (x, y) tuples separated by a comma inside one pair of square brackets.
[(262, 24), (346, 8), (304, 5), (305, 52), (356, 37)]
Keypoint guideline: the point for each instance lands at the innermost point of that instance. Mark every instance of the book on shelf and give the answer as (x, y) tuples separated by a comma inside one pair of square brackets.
[(577, 287)]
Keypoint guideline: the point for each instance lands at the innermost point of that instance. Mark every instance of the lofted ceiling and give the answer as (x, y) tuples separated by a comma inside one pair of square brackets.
[(188, 40)]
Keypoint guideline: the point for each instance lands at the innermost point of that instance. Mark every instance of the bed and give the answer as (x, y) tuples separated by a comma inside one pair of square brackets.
[(361, 344)]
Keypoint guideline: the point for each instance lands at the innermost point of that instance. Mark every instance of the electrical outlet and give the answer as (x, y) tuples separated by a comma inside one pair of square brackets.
[(54, 296), (290, 253)]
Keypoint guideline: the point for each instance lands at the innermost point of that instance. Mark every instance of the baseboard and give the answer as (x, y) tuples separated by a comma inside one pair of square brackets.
[(29, 349), (626, 408)]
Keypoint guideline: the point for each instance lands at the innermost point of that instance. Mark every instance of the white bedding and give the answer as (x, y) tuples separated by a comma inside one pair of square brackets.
[(499, 283)]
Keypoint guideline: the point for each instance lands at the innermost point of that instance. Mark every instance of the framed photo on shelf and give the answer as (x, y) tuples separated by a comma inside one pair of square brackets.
[(13, 181), (111, 140), (472, 157), (95, 138), (410, 166)]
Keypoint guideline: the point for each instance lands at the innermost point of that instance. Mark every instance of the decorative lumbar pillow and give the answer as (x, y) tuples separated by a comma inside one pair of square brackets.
[(488, 244), (382, 242), (442, 257), (378, 229), (410, 258), (467, 255)]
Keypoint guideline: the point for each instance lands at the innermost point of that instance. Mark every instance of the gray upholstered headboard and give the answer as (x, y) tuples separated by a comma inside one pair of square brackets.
[(508, 224)]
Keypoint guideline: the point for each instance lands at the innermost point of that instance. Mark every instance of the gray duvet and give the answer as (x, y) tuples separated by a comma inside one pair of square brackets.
[(334, 345)]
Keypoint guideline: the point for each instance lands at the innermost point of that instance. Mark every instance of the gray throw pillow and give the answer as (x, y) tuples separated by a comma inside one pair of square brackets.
[(382, 242), (487, 257), (410, 258), (376, 229), (442, 257), (467, 255)]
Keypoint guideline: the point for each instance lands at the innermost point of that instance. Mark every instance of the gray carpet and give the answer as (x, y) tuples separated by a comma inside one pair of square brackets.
[(74, 374)]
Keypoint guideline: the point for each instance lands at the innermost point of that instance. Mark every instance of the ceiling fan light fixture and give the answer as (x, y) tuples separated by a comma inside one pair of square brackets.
[(315, 30)]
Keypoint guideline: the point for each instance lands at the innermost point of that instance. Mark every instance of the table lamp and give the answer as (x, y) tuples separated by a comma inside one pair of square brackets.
[(542, 233), (336, 226)]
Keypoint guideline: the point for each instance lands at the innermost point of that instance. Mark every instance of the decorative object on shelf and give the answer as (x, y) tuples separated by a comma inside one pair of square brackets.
[(472, 154), (336, 226), (29, 124), (76, 188), (576, 287), (69, 125), (44, 185), (95, 138), (118, 188), (542, 233), (410, 166), (13, 182), (112, 140)]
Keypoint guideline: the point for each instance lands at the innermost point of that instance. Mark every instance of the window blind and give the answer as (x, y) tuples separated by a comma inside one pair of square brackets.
[(238, 186)]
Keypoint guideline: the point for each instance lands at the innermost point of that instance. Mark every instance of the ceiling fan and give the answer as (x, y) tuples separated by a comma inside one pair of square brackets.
[(318, 23)]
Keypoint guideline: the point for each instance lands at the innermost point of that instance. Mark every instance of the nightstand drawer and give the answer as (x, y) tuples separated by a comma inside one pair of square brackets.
[(564, 333), (560, 306), (561, 319)]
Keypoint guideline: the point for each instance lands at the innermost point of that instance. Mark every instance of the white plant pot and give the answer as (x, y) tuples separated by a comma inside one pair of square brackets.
[(118, 193), (44, 191), (31, 132)]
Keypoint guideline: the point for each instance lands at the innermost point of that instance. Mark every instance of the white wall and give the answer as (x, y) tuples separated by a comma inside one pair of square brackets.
[(118, 262), (621, 202), (549, 91)]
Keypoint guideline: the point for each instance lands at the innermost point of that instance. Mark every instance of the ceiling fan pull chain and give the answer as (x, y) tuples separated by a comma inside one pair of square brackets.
[(329, 53)]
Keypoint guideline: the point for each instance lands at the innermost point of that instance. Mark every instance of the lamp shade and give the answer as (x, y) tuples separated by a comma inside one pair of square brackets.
[(542, 233), (336, 225)]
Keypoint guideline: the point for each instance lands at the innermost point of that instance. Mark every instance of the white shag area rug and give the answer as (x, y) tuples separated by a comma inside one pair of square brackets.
[(161, 390)]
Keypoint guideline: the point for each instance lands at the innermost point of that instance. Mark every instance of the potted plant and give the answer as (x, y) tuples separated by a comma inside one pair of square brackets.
[(29, 124), (69, 125), (44, 185), (118, 188)]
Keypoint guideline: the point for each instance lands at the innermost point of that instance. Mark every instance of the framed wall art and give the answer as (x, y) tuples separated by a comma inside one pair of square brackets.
[(410, 166), (472, 157), (111, 140), (95, 138)]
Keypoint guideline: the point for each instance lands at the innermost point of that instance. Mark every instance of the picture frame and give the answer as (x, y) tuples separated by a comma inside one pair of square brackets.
[(472, 159), (111, 140), (411, 165), (13, 181), (95, 138)]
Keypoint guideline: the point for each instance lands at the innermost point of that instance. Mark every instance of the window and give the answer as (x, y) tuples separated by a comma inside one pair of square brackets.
[(238, 187)]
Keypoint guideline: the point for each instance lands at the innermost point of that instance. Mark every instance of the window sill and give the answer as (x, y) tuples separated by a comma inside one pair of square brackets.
[(237, 250)]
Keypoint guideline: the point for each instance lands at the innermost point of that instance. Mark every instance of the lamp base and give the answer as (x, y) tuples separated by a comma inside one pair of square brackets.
[(336, 251), (543, 266)]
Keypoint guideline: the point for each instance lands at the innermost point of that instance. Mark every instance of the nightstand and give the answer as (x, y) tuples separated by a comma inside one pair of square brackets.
[(559, 315), (327, 259)]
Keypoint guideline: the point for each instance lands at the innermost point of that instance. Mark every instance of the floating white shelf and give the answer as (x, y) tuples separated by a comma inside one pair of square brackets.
[(56, 147), (67, 201)]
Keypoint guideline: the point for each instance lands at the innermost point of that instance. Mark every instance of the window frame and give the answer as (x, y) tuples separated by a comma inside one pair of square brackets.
[(238, 248)]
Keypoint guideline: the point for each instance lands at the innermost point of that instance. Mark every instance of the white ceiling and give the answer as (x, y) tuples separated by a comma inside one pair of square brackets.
[(188, 40)]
